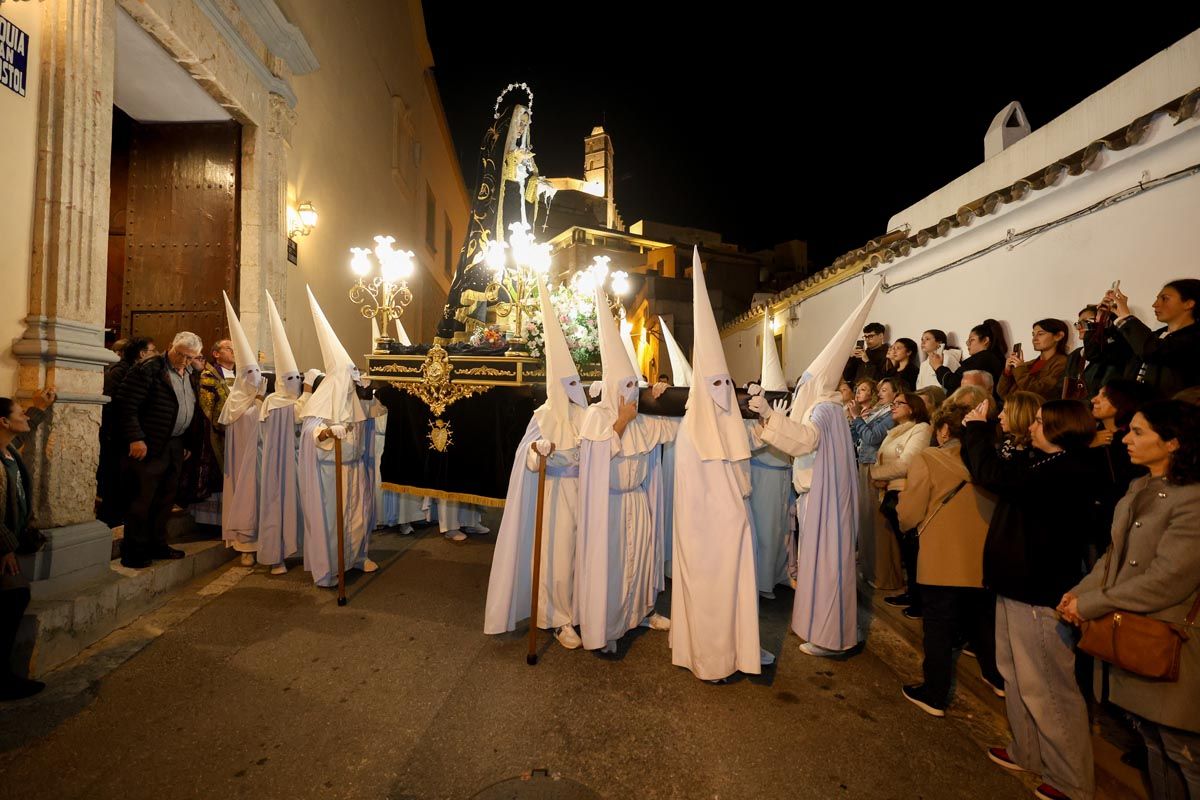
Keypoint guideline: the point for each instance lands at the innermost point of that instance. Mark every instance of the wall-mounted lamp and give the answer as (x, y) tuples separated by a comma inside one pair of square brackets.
[(301, 220)]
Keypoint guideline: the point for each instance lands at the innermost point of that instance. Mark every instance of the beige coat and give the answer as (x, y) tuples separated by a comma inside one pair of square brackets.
[(899, 447), (951, 535), (1159, 576)]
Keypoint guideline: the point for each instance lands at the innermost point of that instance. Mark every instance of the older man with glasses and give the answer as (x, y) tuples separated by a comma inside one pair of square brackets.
[(157, 412)]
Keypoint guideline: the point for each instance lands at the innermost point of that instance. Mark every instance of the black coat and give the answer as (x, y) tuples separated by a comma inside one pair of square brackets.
[(146, 407), (987, 361), (1046, 513), (1170, 364), (857, 369)]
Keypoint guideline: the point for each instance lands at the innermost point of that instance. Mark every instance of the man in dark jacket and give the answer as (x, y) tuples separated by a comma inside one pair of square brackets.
[(157, 414), (112, 442), (869, 359)]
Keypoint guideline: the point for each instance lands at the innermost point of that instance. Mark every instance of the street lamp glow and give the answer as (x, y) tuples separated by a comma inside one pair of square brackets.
[(599, 268), (359, 261), (383, 247), (620, 282), (539, 258), (496, 258), (308, 215)]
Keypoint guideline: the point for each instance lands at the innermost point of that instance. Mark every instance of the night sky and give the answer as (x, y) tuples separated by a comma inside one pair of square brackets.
[(773, 126)]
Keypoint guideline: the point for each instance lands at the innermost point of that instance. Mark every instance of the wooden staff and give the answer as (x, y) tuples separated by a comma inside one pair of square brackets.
[(531, 658), (341, 521)]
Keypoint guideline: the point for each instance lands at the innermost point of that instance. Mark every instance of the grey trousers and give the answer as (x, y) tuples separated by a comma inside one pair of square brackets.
[(1035, 655)]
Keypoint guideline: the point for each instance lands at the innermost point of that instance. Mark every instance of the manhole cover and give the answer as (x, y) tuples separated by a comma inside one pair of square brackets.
[(540, 784)]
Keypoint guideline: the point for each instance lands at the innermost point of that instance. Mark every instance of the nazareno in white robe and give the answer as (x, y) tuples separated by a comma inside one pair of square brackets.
[(319, 502), (511, 577), (619, 547), (714, 600), (239, 493), (770, 503), (280, 522)]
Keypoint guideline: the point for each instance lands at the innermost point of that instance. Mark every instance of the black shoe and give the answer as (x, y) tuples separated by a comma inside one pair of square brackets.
[(918, 697), (167, 553), (912, 612), (899, 600), (135, 562), (14, 688)]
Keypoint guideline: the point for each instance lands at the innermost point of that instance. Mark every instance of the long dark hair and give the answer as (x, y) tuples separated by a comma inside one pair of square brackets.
[(6, 407), (1175, 419), (1054, 327), (992, 331), (910, 346), (1189, 289)]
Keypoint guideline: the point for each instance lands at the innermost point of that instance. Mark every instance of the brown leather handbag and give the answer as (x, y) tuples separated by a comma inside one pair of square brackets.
[(1136, 643)]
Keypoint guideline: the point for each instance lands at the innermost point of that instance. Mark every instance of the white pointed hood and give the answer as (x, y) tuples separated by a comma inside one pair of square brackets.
[(401, 334), (619, 376), (289, 383), (771, 375), (627, 342), (681, 370), (820, 381), (335, 399), (248, 378), (556, 419), (712, 419)]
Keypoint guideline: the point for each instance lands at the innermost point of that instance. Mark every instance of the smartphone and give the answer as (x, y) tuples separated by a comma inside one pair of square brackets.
[(858, 344), (1017, 350), (1116, 285)]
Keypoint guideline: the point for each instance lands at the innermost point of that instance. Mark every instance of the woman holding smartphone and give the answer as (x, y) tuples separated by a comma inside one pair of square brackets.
[(933, 342), (1042, 375)]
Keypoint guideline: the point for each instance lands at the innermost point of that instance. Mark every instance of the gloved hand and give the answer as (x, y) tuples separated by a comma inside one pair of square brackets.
[(543, 446), (338, 431), (364, 381), (759, 405), (753, 389), (781, 405), (594, 389), (311, 376)]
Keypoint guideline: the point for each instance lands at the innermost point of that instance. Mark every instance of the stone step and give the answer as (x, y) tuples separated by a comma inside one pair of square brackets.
[(59, 625)]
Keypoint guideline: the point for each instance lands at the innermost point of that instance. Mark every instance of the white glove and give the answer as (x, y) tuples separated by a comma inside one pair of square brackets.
[(753, 389), (364, 381), (594, 389), (311, 376), (338, 431), (781, 405), (759, 405), (543, 446)]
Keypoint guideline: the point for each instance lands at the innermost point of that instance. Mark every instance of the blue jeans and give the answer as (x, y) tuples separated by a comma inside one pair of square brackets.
[(1035, 654)]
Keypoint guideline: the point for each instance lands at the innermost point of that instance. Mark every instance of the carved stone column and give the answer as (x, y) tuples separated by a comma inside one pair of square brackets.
[(63, 344)]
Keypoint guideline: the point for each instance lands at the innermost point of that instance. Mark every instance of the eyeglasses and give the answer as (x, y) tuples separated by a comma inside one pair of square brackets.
[(872, 335), (899, 403)]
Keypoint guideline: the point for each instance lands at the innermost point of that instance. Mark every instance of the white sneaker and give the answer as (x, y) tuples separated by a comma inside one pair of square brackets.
[(656, 622), (406, 529), (567, 637), (247, 559), (279, 569), (765, 657), (368, 565), (476, 530), (455, 536), (816, 650)]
